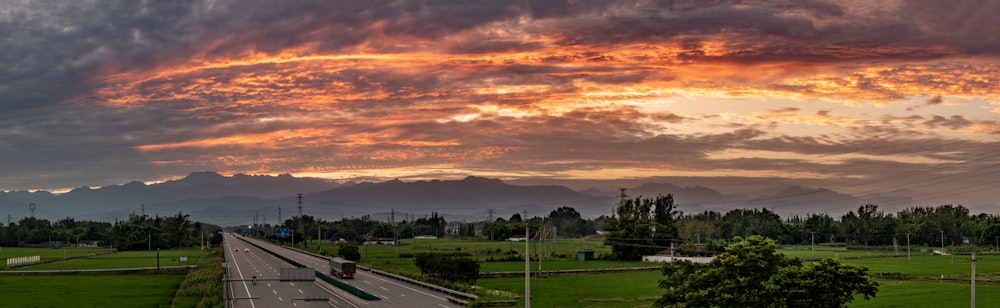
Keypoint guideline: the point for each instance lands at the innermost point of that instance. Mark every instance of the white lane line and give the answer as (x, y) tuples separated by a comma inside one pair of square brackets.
[(383, 288), (275, 292), (300, 292), (336, 295), (408, 288), (280, 299), (443, 306), (245, 287)]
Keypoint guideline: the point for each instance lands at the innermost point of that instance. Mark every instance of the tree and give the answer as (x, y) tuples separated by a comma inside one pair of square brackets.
[(447, 267), (630, 232), (752, 274), (349, 251)]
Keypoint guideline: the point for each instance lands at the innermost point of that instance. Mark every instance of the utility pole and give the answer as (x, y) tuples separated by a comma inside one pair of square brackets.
[(31, 206), (527, 265), (490, 221), (812, 243), (302, 228), (395, 231), (973, 292), (623, 197), (907, 246), (942, 240)]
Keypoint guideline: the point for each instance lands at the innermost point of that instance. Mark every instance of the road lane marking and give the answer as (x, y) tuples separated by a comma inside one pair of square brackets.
[(300, 291), (245, 287), (275, 292), (383, 288), (408, 288)]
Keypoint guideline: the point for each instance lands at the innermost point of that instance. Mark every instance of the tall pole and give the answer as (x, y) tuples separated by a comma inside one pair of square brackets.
[(812, 243), (907, 247), (527, 265), (973, 292), (942, 240), (302, 228)]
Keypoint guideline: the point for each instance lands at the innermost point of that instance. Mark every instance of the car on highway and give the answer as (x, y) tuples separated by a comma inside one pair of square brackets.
[(246, 249)]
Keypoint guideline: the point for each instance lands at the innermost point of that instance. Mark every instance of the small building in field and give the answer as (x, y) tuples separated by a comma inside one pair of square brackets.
[(585, 254)]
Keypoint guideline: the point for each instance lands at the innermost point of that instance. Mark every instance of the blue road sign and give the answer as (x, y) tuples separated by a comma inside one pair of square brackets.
[(282, 232)]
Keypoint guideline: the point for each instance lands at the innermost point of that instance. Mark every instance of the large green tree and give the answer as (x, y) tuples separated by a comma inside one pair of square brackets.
[(752, 274)]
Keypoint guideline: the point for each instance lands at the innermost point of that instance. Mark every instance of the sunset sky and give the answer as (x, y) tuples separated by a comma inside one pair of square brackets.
[(867, 95)]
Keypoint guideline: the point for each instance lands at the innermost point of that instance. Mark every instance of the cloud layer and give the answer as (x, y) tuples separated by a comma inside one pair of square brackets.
[(105, 92)]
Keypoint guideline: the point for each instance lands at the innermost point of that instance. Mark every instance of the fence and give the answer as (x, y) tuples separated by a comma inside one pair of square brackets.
[(21, 261)]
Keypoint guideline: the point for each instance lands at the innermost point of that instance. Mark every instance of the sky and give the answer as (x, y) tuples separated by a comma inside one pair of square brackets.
[(866, 95)]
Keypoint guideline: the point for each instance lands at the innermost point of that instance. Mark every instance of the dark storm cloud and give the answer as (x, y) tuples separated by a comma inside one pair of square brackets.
[(62, 128)]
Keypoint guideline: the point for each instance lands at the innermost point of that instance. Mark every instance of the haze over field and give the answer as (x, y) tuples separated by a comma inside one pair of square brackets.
[(863, 98)]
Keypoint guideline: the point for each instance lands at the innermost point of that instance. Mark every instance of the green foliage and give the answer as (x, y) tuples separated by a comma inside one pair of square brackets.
[(448, 267), (349, 251), (142, 232), (642, 227), (201, 287), (752, 274)]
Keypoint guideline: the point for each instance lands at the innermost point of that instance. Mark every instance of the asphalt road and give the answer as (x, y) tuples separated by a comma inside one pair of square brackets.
[(268, 291), (393, 293)]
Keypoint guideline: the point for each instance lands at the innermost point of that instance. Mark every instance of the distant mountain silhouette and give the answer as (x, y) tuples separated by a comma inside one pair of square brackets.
[(231, 200)]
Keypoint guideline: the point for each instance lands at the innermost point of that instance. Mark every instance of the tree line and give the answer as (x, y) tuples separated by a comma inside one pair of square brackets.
[(137, 232), (643, 226)]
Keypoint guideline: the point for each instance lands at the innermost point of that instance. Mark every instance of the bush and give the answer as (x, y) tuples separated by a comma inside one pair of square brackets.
[(448, 267), (349, 251)]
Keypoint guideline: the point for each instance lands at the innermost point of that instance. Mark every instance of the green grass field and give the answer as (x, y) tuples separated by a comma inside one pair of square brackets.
[(126, 259), (639, 289), (84, 290), (48, 254), (632, 289), (919, 293)]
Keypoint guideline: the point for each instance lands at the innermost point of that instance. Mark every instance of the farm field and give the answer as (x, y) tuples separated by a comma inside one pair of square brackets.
[(634, 289), (139, 289), (639, 289), (87, 290), (126, 259), (48, 254)]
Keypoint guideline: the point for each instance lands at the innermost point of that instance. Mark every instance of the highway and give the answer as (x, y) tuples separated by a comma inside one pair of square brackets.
[(393, 293), (242, 266)]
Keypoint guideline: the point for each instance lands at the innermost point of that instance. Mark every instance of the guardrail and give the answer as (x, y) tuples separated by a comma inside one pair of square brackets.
[(438, 288), (322, 276)]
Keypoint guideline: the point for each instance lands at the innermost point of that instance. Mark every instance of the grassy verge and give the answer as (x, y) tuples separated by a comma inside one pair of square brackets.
[(203, 287)]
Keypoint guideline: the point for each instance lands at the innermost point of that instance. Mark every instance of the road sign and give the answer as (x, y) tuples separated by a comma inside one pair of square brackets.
[(282, 233)]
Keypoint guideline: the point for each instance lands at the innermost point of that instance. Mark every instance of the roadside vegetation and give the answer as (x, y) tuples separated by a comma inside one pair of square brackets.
[(202, 286)]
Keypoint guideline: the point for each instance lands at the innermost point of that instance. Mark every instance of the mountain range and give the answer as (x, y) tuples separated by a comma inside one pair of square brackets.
[(232, 200)]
